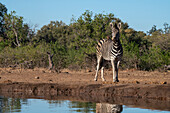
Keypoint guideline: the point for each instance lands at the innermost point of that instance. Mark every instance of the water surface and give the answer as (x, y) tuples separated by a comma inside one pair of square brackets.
[(16, 105)]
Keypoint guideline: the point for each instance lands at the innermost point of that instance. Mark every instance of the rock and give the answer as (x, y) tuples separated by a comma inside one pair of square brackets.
[(37, 77), (164, 82), (136, 82), (66, 72), (7, 81), (89, 70), (50, 81), (43, 71)]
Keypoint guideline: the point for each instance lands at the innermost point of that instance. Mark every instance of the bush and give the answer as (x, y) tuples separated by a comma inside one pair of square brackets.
[(15, 56), (154, 59)]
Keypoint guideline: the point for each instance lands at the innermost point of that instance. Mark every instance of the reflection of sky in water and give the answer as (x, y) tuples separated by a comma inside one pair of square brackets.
[(138, 110), (56, 106), (42, 106)]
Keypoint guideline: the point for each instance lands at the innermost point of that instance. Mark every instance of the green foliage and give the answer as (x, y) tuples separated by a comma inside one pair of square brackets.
[(71, 45), (131, 55), (36, 55), (16, 31), (145, 52), (3, 11), (154, 59), (59, 55), (3, 44)]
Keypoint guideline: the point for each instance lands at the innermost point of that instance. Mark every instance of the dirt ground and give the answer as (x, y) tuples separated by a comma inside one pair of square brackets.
[(139, 88), (40, 75)]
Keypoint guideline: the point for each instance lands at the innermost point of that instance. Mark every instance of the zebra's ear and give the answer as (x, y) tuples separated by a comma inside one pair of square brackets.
[(111, 25), (119, 25)]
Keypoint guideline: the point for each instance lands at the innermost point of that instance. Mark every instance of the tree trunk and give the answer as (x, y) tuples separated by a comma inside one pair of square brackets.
[(17, 40), (50, 60)]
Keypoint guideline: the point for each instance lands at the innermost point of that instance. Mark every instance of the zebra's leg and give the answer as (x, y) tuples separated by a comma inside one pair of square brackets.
[(98, 64), (102, 76), (114, 66), (116, 63)]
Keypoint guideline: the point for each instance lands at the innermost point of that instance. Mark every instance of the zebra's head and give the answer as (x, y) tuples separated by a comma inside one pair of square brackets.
[(115, 30)]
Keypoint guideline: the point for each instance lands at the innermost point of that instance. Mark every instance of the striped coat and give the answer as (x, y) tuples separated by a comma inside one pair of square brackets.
[(110, 49)]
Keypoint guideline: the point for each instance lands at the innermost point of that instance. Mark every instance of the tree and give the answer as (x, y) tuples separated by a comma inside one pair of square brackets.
[(51, 32), (166, 28), (15, 30), (152, 30), (3, 11)]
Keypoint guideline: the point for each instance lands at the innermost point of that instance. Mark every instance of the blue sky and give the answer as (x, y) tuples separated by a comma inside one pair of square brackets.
[(141, 15)]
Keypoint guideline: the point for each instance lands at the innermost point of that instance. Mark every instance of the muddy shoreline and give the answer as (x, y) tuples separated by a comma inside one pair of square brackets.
[(150, 97), (140, 88)]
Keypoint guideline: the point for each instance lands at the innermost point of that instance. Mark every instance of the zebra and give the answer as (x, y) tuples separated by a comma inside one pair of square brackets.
[(111, 50)]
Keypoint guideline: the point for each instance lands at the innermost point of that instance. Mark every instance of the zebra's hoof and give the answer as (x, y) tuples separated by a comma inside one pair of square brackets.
[(95, 79), (103, 80), (115, 81)]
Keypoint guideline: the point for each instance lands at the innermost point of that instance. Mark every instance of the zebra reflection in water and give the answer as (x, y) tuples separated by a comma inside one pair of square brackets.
[(108, 108)]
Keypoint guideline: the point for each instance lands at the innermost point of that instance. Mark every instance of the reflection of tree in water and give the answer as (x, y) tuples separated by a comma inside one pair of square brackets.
[(56, 102), (84, 107), (11, 104)]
